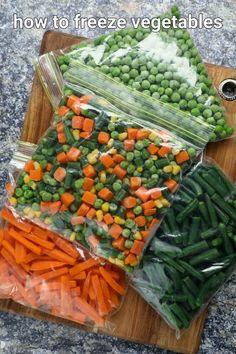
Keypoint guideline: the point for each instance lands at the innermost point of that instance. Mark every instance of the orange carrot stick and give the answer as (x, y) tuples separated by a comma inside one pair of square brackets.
[(8, 247), (25, 294), (88, 310), (64, 245), (45, 265), (47, 276), (22, 225), (102, 309), (18, 237), (91, 262), (20, 252), (113, 284), (39, 241), (60, 256)]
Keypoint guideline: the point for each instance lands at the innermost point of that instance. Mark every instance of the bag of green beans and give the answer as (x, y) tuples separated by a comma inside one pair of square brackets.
[(194, 250), (103, 178), (144, 66)]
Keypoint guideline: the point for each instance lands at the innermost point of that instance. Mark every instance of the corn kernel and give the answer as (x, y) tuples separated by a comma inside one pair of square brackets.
[(137, 236), (93, 190), (76, 133), (72, 236), (33, 186), (109, 170), (119, 262), (119, 220), (113, 119), (175, 151), (47, 221), (167, 169), (92, 159), (154, 157), (31, 214), (105, 207), (165, 202), (26, 210), (158, 204), (176, 170), (134, 263), (122, 136), (26, 179), (139, 169), (110, 143), (112, 260), (103, 176), (113, 151), (13, 201), (99, 215), (36, 165), (37, 213), (152, 136)]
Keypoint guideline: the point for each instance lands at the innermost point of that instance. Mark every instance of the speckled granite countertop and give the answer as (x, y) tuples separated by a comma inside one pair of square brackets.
[(18, 49)]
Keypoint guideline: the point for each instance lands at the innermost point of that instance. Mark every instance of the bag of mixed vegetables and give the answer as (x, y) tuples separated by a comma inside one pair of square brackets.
[(39, 269), (102, 178), (194, 251), (142, 66)]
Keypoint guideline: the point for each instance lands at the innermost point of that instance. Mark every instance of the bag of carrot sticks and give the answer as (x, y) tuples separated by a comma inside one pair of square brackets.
[(194, 251), (102, 178), (143, 67), (41, 270)]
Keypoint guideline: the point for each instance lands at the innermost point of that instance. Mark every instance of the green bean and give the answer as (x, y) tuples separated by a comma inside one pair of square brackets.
[(211, 211), (194, 229), (223, 205), (187, 210), (191, 271), (205, 257), (195, 248)]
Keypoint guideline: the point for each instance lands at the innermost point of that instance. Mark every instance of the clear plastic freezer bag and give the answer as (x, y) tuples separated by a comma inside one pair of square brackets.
[(143, 64), (194, 251), (39, 269), (102, 179)]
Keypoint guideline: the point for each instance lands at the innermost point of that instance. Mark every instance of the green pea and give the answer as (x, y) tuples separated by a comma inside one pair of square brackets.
[(116, 61), (21, 200), (192, 104), (195, 112), (159, 78), (115, 71), (99, 186), (131, 81), (153, 88), (126, 233), (145, 84), (183, 104), (192, 152), (151, 78), (117, 186), (46, 196), (136, 86), (125, 77), (138, 145), (125, 69), (165, 83), (124, 164), (128, 244), (18, 192), (133, 73), (179, 33), (207, 113), (174, 84), (105, 69), (162, 67), (78, 183), (168, 91), (135, 64), (149, 163), (56, 197), (175, 97), (129, 223), (168, 75), (156, 95), (138, 210), (182, 91), (211, 121), (131, 168), (139, 36), (161, 90), (63, 68), (98, 203), (130, 156), (154, 70), (189, 43), (164, 98), (189, 96)]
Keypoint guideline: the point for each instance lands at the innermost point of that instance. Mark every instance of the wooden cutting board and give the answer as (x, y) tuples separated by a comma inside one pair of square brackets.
[(136, 320)]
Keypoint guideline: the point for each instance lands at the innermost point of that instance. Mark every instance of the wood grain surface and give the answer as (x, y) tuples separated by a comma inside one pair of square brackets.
[(136, 320)]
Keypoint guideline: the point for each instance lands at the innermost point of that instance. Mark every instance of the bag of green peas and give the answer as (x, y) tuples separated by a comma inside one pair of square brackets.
[(141, 64), (102, 178), (194, 251)]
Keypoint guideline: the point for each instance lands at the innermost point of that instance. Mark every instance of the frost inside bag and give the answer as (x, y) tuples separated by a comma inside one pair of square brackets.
[(194, 251), (143, 64), (41, 270), (102, 179)]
